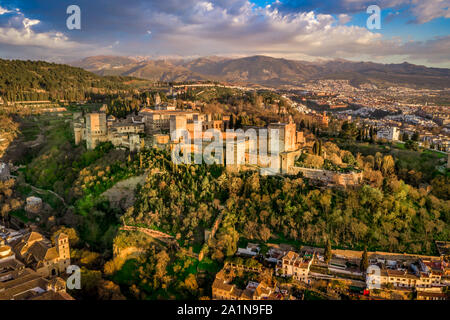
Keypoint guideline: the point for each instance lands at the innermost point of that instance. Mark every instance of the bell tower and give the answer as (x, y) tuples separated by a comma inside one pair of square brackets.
[(63, 249)]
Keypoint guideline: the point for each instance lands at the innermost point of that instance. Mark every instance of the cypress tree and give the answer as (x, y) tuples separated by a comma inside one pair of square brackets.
[(315, 148), (327, 253), (364, 261)]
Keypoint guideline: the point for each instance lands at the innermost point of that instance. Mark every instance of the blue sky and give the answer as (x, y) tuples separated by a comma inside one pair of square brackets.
[(416, 31)]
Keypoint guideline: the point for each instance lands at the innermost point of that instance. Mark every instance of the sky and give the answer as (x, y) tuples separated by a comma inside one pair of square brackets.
[(416, 31)]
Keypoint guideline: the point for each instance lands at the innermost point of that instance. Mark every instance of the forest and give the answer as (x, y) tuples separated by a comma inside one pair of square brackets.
[(384, 213), (38, 81)]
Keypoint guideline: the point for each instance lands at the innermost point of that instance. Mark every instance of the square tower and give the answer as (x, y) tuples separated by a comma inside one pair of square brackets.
[(63, 250)]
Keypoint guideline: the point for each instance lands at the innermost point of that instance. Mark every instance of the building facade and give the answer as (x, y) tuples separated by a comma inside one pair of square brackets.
[(296, 266), (97, 128), (40, 255), (389, 133)]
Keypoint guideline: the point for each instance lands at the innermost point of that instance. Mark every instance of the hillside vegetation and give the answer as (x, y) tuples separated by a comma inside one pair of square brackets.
[(38, 80)]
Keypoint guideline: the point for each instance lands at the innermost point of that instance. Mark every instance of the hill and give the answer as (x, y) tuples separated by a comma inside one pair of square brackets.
[(38, 80), (272, 71)]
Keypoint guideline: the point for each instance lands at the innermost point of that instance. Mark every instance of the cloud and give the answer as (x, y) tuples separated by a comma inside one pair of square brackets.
[(433, 50), (344, 18), (207, 6), (426, 11), (221, 27), (421, 11), (18, 31), (19, 39), (3, 11), (28, 23)]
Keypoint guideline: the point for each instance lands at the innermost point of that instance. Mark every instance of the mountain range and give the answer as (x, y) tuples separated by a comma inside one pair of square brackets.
[(269, 71)]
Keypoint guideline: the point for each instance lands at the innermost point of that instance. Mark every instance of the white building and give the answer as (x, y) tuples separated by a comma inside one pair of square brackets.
[(251, 250), (389, 133), (34, 205), (4, 171), (425, 274)]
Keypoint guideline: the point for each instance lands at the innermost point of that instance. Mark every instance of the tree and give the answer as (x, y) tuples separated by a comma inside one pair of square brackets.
[(327, 253), (415, 136), (405, 137), (315, 148), (70, 232), (364, 264), (264, 233), (108, 290), (441, 187), (388, 165), (349, 158), (191, 283), (313, 161), (412, 145), (162, 259), (349, 130)]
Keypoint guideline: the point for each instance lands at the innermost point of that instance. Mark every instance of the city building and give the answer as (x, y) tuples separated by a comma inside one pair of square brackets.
[(389, 133), (424, 273)]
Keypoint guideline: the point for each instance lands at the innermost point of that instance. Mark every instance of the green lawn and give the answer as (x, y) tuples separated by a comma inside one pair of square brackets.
[(209, 265), (436, 154)]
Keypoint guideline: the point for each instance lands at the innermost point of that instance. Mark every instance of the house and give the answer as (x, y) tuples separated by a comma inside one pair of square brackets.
[(295, 265), (223, 289), (274, 255), (251, 250), (401, 278)]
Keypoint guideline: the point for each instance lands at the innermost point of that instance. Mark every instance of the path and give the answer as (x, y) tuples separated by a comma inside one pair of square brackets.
[(41, 191)]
